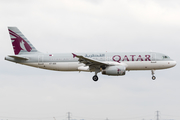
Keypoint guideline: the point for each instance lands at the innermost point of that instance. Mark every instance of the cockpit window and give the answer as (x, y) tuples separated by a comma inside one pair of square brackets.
[(165, 57)]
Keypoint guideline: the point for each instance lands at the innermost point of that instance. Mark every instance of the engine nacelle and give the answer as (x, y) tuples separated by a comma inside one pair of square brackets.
[(114, 70)]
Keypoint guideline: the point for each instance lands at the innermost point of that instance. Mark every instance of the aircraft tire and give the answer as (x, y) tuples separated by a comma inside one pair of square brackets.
[(153, 77), (95, 78)]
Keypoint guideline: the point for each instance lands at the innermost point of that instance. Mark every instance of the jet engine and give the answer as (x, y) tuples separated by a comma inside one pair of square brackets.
[(114, 70)]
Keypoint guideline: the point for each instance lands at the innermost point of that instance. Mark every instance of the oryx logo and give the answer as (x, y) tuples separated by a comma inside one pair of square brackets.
[(19, 43), (118, 71)]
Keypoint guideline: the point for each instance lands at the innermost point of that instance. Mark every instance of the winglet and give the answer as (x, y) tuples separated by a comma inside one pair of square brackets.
[(74, 55)]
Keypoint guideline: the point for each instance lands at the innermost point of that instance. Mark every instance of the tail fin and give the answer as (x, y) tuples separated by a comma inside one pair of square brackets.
[(19, 42)]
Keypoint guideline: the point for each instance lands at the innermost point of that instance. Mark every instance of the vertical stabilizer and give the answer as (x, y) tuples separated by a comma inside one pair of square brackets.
[(19, 42)]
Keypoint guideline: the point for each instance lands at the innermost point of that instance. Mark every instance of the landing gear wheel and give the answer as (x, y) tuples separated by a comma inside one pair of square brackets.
[(153, 77), (95, 78)]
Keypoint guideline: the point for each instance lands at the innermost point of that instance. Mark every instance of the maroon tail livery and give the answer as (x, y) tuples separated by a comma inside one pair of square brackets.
[(19, 42)]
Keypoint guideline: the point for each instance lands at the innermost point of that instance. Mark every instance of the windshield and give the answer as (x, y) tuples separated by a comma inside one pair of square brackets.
[(164, 57)]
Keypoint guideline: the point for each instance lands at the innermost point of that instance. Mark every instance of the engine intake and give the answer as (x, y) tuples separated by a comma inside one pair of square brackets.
[(114, 70)]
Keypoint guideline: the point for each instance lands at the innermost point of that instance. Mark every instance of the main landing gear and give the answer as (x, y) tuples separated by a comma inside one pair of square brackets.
[(95, 77), (153, 77)]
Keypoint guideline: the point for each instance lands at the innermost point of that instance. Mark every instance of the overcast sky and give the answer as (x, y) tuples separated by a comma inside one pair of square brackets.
[(58, 26)]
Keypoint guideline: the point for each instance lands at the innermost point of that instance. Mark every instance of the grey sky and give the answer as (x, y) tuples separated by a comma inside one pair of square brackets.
[(90, 26)]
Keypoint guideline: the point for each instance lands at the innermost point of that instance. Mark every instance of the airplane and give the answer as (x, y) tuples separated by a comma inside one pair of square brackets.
[(111, 64)]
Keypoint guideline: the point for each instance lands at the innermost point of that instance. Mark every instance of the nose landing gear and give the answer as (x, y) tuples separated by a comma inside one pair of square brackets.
[(153, 77)]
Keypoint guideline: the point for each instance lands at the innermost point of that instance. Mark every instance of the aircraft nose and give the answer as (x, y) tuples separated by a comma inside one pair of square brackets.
[(173, 63)]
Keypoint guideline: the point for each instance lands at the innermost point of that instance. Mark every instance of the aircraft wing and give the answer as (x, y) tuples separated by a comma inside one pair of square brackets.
[(90, 62)]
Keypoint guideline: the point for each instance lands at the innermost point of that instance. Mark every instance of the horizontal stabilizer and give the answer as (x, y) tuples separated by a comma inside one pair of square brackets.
[(18, 57)]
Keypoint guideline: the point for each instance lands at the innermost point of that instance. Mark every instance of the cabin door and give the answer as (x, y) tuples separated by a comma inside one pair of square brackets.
[(40, 60), (153, 59)]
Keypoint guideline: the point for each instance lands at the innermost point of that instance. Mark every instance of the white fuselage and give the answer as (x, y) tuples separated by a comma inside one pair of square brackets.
[(115, 64), (66, 62)]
